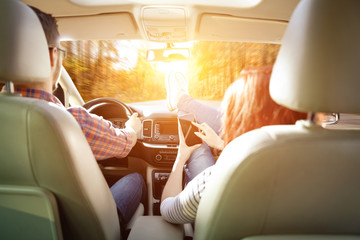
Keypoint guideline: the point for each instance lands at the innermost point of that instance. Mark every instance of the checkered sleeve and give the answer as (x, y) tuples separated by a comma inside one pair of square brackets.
[(105, 140), (183, 207)]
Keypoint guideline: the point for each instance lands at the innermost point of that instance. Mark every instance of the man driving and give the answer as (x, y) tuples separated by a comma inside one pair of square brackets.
[(105, 140)]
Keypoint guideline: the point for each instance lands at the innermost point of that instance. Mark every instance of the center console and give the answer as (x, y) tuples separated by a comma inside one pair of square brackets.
[(160, 131), (159, 179), (160, 146), (160, 138)]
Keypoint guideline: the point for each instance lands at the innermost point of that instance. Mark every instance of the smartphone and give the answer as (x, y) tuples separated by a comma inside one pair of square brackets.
[(189, 129)]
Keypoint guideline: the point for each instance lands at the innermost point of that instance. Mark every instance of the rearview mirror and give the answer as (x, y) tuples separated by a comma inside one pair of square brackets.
[(167, 54), (331, 118), (328, 118)]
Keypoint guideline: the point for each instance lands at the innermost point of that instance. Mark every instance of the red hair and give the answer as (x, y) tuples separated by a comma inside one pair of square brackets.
[(252, 107)]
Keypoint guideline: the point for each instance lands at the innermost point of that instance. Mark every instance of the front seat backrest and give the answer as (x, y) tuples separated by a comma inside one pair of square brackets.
[(47, 169), (301, 179)]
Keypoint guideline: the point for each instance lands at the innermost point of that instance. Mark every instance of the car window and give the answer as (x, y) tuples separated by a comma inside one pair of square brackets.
[(119, 68)]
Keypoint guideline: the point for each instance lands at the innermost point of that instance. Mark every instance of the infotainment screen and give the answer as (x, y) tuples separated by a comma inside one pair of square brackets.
[(168, 128)]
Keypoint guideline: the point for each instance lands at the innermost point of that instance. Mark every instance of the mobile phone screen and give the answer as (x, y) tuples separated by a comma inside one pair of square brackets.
[(189, 129)]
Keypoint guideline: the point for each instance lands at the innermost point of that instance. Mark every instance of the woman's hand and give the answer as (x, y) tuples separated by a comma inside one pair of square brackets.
[(184, 151), (173, 185), (208, 135)]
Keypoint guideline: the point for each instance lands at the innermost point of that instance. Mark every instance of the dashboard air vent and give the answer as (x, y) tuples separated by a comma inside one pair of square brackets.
[(147, 128)]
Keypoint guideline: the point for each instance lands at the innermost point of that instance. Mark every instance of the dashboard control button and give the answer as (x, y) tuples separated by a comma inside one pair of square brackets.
[(158, 157)]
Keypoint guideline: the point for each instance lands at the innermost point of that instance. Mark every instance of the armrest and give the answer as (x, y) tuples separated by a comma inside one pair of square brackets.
[(155, 227)]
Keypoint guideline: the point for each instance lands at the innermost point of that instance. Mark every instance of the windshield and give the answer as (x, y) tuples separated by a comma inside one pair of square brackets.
[(119, 68)]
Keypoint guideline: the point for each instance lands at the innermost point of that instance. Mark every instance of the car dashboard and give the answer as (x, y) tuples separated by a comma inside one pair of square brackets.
[(155, 151), (158, 140)]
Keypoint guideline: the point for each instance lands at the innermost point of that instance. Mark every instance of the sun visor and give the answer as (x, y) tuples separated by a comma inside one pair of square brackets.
[(216, 27), (105, 26)]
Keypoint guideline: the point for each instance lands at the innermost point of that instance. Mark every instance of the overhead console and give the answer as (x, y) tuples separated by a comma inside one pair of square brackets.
[(165, 23)]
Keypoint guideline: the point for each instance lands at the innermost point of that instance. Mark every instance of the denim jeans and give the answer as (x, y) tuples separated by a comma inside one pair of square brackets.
[(128, 192), (202, 157), (198, 161)]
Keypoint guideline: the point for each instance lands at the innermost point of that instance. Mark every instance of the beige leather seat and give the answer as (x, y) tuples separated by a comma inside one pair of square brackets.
[(50, 184), (301, 180)]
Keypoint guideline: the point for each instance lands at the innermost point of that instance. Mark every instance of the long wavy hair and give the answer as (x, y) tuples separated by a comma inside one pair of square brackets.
[(247, 105)]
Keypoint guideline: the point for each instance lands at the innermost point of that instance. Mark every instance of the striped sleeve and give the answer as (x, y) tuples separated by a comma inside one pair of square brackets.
[(183, 207), (105, 141)]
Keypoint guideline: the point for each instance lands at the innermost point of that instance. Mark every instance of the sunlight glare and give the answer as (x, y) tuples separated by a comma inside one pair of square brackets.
[(127, 51), (175, 66), (64, 39)]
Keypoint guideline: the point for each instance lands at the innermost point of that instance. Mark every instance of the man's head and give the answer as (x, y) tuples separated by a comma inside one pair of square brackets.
[(48, 22), (49, 26)]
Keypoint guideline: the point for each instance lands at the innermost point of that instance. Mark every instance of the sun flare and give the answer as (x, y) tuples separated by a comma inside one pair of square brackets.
[(175, 66)]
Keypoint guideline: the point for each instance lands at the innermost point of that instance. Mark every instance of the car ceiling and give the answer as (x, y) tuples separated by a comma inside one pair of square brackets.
[(170, 21)]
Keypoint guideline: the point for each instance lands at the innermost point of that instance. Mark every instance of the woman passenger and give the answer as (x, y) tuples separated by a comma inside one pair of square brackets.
[(247, 105)]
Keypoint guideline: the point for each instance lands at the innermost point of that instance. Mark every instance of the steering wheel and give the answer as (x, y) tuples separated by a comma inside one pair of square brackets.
[(99, 102)]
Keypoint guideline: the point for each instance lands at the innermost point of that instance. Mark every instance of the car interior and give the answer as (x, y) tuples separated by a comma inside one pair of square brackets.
[(296, 181)]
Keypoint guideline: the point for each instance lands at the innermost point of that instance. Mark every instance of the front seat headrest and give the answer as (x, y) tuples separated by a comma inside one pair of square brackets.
[(24, 53), (318, 66)]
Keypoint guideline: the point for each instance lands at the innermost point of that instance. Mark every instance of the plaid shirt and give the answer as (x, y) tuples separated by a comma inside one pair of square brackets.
[(105, 140)]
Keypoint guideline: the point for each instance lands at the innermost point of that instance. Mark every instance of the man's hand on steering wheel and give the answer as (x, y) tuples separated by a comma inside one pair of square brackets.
[(133, 126), (134, 123)]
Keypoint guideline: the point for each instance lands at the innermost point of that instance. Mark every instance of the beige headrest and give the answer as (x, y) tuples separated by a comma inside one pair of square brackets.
[(318, 66), (24, 54)]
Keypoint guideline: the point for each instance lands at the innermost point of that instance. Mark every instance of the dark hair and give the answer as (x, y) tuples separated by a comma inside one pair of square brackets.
[(252, 107), (50, 27)]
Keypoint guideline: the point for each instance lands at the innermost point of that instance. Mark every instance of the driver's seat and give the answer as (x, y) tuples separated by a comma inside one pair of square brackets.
[(50, 184)]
